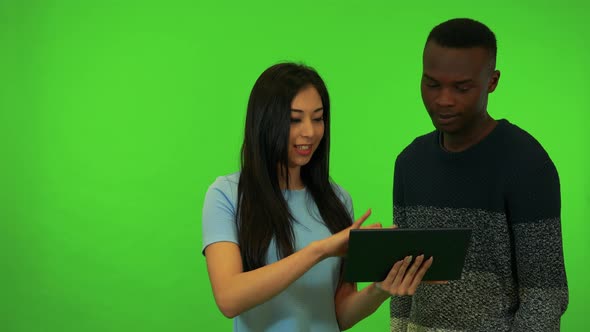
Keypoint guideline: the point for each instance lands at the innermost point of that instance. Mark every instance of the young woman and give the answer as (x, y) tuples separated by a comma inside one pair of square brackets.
[(274, 233)]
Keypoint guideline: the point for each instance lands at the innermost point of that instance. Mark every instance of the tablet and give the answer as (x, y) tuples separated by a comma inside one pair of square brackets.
[(372, 252)]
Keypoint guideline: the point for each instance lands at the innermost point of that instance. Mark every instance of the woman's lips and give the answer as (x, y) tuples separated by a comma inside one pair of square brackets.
[(303, 149)]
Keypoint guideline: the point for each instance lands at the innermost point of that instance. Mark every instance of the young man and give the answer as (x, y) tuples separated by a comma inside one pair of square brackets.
[(488, 175)]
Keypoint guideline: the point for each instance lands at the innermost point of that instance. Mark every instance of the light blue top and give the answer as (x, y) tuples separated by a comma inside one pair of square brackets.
[(308, 303)]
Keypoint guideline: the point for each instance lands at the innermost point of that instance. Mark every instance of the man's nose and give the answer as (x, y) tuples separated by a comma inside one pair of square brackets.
[(445, 98)]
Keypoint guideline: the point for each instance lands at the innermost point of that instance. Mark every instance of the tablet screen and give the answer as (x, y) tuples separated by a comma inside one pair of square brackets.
[(372, 252)]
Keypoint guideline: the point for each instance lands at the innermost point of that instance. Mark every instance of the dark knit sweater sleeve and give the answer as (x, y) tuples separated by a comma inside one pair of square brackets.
[(400, 306), (533, 208)]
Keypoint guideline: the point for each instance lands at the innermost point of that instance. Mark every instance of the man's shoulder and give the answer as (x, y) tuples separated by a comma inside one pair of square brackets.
[(520, 143), (419, 145)]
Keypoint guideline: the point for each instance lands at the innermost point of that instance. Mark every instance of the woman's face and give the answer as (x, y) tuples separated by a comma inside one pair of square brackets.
[(307, 126)]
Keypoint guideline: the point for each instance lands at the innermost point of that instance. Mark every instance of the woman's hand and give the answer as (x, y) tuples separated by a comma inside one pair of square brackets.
[(403, 281), (337, 244)]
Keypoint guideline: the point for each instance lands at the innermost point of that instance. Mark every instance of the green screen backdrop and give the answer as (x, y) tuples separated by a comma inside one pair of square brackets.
[(116, 116)]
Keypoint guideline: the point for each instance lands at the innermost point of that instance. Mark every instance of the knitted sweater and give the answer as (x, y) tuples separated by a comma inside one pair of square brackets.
[(506, 188)]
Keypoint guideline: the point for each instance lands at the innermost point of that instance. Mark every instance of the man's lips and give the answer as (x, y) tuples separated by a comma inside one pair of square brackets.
[(446, 115), (444, 118)]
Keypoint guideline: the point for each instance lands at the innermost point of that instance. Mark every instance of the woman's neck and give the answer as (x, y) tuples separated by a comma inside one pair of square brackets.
[(295, 181)]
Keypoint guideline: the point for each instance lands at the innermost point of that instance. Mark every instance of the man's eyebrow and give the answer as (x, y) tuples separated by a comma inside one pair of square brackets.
[(300, 111), (428, 77), (463, 81), (469, 80)]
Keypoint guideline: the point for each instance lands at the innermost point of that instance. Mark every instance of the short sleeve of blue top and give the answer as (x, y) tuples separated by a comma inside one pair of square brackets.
[(308, 303)]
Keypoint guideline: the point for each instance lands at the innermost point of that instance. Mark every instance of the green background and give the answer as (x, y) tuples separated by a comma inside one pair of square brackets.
[(116, 116)]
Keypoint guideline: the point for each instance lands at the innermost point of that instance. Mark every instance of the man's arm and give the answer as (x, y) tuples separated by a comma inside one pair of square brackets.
[(534, 208), (399, 306)]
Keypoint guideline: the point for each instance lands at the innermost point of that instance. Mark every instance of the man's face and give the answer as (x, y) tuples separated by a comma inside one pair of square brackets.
[(455, 86)]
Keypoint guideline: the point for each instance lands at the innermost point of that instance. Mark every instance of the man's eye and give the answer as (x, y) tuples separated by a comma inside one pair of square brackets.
[(463, 88)]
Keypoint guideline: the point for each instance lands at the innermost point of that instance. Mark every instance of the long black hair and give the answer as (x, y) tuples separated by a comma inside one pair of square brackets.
[(262, 211)]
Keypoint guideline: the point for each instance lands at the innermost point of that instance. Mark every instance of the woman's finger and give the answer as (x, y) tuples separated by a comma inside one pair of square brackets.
[(359, 221), (400, 275), (419, 275), (436, 282), (411, 273), (388, 281), (376, 225)]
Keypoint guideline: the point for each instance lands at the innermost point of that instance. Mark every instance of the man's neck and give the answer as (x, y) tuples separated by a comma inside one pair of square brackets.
[(462, 141)]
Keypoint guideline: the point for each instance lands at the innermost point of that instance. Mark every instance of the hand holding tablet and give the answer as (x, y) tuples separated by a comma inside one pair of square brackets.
[(402, 280)]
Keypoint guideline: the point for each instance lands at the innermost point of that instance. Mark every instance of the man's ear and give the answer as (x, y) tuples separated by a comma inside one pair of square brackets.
[(494, 81)]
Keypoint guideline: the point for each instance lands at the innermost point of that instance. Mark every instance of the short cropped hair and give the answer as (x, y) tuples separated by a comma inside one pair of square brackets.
[(464, 33)]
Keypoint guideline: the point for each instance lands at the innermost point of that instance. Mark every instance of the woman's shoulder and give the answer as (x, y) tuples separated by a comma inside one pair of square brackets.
[(226, 183), (341, 192)]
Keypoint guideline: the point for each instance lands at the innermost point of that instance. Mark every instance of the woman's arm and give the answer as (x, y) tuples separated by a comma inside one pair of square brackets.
[(236, 291), (352, 306)]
